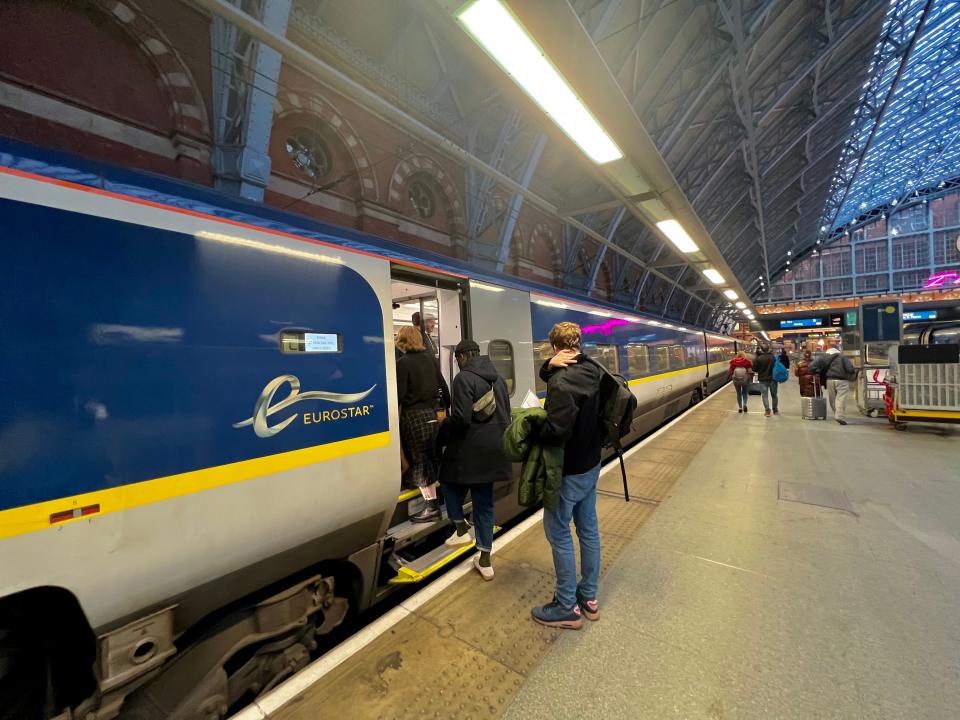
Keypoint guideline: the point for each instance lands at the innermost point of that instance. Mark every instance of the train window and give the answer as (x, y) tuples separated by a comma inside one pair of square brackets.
[(638, 360), (676, 357), (662, 357), (298, 341), (542, 351), (501, 355), (694, 349), (604, 354)]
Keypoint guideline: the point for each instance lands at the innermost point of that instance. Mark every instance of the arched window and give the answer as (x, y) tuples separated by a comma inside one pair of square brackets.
[(309, 153), (422, 200)]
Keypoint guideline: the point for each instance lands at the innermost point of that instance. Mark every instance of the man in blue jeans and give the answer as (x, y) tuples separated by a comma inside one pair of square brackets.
[(573, 421)]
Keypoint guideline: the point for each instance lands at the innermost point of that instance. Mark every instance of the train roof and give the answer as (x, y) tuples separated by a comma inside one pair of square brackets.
[(154, 188)]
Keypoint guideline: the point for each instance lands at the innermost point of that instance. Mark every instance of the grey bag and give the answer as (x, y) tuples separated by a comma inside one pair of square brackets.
[(486, 406), (813, 408)]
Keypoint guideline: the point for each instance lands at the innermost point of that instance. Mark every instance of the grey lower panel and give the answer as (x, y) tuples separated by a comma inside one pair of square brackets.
[(221, 592)]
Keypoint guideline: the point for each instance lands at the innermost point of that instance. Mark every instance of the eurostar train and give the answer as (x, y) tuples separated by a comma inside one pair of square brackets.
[(199, 444)]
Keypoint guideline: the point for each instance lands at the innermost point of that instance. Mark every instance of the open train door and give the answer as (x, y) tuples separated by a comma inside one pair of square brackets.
[(500, 323)]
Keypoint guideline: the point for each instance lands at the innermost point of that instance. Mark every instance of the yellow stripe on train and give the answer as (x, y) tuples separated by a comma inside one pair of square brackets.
[(30, 518)]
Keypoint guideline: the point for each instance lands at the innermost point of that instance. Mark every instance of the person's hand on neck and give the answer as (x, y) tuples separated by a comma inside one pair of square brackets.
[(563, 358)]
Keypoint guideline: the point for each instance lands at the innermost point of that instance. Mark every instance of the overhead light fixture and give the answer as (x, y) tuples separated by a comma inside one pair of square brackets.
[(601, 313), (731, 294), (741, 305), (499, 33), (678, 236), (547, 303), (713, 276)]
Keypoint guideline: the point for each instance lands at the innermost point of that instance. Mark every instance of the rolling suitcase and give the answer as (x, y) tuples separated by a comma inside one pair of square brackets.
[(814, 408)]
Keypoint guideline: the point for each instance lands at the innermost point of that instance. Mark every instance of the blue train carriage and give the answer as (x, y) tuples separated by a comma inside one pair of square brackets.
[(184, 398), (669, 367)]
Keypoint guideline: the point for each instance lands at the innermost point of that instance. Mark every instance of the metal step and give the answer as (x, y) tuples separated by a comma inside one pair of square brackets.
[(424, 566)]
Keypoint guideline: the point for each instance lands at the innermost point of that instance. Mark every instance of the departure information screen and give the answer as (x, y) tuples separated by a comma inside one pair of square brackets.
[(920, 315), (801, 323)]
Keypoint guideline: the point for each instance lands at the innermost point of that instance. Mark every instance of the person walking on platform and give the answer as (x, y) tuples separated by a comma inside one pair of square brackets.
[(473, 458), (807, 378), (573, 423), (839, 371), (420, 387), (763, 366), (741, 372)]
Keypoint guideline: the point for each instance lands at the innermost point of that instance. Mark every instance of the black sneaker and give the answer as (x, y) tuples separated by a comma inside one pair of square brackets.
[(554, 615), (842, 422)]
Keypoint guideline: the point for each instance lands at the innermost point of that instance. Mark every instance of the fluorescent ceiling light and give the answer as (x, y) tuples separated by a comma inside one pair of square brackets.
[(678, 236), (713, 276), (741, 305), (731, 294), (497, 31), (484, 286)]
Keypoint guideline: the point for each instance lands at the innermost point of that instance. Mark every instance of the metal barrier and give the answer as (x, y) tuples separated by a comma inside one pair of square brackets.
[(929, 387)]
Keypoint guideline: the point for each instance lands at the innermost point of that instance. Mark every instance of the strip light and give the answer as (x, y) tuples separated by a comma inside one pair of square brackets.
[(484, 286), (741, 305), (678, 236), (497, 31), (731, 294), (713, 276)]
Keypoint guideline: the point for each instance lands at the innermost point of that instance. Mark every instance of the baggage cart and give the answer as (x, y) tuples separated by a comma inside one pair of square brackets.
[(927, 393)]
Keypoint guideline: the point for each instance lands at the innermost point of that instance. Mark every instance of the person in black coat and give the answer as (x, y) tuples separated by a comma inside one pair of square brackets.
[(421, 389), (763, 366), (473, 458)]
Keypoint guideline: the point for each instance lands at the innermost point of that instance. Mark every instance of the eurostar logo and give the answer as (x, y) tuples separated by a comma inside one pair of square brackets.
[(263, 408)]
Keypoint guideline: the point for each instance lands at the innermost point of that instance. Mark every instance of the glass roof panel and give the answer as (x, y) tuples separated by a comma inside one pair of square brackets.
[(906, 131)]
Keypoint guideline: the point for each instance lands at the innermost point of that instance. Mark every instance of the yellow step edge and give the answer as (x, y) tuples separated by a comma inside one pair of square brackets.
[(406, 576)]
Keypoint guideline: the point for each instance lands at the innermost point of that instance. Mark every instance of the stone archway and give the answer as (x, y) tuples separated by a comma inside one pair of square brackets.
[(313, 104), (421, 164)]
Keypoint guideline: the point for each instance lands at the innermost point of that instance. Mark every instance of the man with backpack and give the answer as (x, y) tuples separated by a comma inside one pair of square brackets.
[(839, 371), (763, 366), (574, 421)]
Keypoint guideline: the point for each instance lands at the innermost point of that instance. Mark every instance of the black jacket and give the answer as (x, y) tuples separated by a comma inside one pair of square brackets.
[(474, 448), (763, 366), (419, 381), (573, 414)]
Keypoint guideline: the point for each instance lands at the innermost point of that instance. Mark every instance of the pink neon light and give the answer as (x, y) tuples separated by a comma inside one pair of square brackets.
[(938, 280), (606, 328)]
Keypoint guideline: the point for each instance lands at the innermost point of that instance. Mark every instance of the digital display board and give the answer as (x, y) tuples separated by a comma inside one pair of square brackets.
[(801, 323), (836, 320), (321, 342), (920, 315)]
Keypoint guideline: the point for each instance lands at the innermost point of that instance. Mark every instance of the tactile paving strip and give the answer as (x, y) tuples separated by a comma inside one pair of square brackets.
[(466, 653)]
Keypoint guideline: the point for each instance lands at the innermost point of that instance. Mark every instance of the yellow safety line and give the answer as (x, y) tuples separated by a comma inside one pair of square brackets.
[(29, 518), (650, 378), (942, 414)]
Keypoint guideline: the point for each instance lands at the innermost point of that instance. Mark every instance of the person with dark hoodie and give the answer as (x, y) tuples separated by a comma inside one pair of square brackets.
[(572, 422), (763, 367), (473, 458)]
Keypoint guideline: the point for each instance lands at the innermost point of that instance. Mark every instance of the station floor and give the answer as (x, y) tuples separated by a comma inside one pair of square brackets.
[(725, 592)]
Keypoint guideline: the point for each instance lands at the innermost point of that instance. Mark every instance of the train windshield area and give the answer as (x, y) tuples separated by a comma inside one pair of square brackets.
[(436, 311)]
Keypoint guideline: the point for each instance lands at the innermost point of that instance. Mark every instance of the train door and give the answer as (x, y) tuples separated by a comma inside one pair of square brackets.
[(501, 325), (437, 305)]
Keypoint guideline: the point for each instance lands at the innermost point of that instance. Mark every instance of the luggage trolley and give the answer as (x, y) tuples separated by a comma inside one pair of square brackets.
[(926, 385)]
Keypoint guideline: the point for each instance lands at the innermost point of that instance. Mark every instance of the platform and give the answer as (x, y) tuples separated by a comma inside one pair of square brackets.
[(766, 568)]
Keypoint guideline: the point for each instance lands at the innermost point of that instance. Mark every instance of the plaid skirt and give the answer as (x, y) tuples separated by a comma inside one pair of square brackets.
[(418, 432)]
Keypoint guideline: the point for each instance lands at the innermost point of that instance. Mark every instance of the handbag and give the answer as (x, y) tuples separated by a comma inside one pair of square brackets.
[(486, 406)]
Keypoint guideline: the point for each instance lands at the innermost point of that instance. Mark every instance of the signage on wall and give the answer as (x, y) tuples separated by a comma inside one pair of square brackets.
[(944, 279), (836, 320), (851, 320), (801, 323), (920, 315)]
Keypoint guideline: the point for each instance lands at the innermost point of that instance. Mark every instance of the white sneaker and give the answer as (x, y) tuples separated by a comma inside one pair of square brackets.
[(455, 541), (485, 572)]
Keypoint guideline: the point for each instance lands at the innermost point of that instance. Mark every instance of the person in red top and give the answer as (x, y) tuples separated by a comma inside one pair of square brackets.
[(741, 372)]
